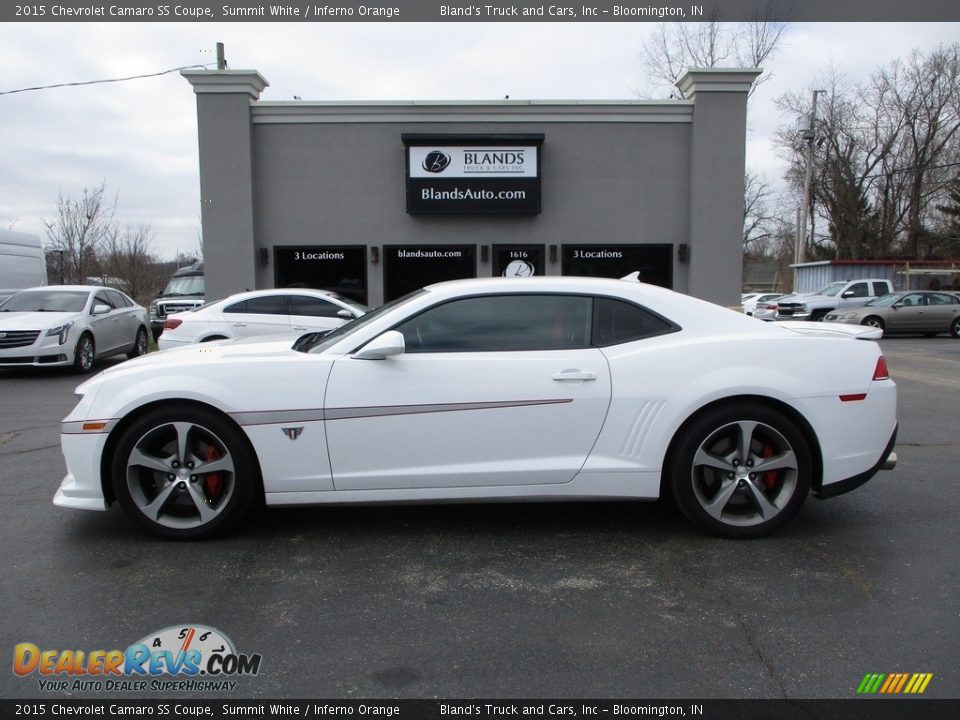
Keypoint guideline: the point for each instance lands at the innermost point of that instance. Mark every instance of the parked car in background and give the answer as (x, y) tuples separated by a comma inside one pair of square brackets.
[(70, 325), (185, 291), (926, 312), (749, 306), (766, 310), (493, 389), (835, 296), (260, 312)]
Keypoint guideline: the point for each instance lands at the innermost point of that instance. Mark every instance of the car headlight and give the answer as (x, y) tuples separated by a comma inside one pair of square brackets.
[(61, 332), (847, 316)]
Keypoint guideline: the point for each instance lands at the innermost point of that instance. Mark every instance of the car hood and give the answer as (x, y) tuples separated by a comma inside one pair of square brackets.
[(195, 356), (34, 320)]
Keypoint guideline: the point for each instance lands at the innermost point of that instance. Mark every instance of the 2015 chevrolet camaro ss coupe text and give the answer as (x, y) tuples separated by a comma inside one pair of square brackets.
[(496, 389)]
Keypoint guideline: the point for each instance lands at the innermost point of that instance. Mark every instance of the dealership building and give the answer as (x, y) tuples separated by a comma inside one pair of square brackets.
[(375, 199)]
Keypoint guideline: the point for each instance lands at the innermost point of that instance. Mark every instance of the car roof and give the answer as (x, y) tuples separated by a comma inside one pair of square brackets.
[(69, 288), (268, 292)]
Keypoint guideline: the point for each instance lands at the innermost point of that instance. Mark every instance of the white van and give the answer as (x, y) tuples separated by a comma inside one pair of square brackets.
[(22, 262)]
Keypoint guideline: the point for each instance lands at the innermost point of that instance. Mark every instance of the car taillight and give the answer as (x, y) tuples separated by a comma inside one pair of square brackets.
[(881, 372), (171, 323)]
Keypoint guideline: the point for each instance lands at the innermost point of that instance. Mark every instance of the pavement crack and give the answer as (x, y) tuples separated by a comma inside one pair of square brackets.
[(29, 450), (7, 437)]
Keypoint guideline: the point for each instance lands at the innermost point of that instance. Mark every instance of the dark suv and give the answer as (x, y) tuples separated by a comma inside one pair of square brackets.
[(185, 291)]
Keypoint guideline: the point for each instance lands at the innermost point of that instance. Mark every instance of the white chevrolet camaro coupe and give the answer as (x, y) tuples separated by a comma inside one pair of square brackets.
[(493, 389)]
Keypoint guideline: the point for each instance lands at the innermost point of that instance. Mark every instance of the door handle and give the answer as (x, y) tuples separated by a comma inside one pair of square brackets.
[(300, 328), (239, 324), (574, 374)]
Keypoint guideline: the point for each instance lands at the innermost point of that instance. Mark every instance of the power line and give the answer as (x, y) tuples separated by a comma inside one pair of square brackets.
[(98, 82)]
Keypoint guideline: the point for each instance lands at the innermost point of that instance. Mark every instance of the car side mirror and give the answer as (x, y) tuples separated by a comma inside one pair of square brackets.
[(383, 346), (345, 314), (847, 294), (100, 309)]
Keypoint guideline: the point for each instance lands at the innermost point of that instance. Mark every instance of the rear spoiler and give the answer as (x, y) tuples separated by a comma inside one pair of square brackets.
[(828, 329)]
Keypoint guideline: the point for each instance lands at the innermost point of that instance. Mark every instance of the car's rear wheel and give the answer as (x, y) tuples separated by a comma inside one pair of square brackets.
[(84, 354), (741, 471), (184, 474), (139, 344), (817, 315), (955, 327), (874, 321)]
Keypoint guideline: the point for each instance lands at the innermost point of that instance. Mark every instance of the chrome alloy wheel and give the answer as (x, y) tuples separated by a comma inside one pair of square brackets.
[(180, 475), (745, 473)]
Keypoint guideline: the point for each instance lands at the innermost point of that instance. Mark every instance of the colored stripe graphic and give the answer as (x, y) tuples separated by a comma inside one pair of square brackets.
[(894, 683)]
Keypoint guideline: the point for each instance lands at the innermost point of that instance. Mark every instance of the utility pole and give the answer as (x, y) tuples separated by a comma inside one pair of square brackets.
[(810, 137), (222, 59)]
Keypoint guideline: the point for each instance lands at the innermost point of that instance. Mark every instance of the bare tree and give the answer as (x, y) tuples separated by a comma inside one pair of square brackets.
[(80, 231), (673, 48), (885, 152), (129, 258), (759, 218)]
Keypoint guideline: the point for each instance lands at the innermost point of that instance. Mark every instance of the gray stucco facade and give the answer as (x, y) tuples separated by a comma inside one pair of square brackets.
[(288, 186)]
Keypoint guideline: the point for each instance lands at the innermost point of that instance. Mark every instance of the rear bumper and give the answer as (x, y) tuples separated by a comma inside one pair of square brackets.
[(887, 461)]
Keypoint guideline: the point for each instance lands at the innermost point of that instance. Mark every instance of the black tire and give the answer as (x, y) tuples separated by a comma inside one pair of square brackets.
[(172, 502), (874, 321), (85, 354), (215, 337), (156, 332), (955, 327), (139, 344), (717, 490), (817, 315)]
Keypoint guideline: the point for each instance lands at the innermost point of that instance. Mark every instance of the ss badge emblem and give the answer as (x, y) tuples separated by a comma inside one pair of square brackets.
[(292, 432)]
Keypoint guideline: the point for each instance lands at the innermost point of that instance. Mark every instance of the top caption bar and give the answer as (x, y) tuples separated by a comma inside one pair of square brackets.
[(482, 11)]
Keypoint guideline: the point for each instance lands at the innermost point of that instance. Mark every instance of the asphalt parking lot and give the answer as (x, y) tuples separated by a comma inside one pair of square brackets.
[(604, 600)]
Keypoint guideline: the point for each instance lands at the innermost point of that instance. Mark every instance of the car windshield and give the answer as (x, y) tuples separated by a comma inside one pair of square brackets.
[(318, 342), (884, 300), (47, 301), (186, 285), (832, 289)]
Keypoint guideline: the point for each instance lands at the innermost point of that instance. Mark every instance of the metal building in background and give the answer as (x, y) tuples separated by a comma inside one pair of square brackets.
[(376, 199)]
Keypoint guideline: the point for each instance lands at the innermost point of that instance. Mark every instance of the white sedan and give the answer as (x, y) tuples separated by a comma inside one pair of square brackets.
[(260, 312), (70, 325), (495, 389)]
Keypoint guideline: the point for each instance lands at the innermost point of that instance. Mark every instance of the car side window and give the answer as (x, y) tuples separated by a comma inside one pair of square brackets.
[(116, 299), (942, 299), (313, 306), (101, 298), (238, 307), (912, 300), (860, 289), (616, 322), (879, 289), (267, 305), (502, 323)]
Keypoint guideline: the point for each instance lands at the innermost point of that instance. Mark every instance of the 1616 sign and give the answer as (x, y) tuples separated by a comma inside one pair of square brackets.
[(473, 179)]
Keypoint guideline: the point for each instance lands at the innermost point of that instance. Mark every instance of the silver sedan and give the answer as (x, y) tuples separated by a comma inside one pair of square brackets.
[(924, 312)]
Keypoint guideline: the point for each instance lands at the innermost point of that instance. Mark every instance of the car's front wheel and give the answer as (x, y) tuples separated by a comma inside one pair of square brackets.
[(184, 474), (955, 327), (84, 354), (874, 321), (741, 471)]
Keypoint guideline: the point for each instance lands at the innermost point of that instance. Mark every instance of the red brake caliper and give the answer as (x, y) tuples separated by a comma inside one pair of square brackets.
[(770, 477), (212, 484)]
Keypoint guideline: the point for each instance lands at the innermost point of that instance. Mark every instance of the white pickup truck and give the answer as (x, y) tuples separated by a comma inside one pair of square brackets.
[(843, 294)]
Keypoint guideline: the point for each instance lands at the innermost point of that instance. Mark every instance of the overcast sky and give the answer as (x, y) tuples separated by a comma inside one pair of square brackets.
[(141, 136)]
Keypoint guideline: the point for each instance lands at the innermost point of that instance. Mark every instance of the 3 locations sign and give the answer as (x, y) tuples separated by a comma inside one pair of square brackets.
[(473, 175)]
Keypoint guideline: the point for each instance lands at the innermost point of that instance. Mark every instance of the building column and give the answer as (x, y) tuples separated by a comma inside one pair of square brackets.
[(717, 164), (225, 131)]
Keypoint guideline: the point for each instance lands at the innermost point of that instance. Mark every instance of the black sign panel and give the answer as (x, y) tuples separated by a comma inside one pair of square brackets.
[(464, 196), (341, 269), (408, 268), (473, 174), (654, 262), (517, 260)]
